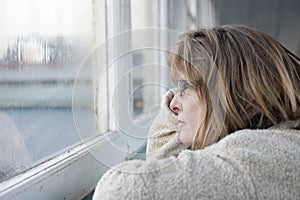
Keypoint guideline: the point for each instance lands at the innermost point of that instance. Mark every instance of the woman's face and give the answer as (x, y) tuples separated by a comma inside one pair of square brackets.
[(189, 109)]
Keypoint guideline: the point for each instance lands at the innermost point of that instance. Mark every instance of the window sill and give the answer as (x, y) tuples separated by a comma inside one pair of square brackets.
[(74, 173)]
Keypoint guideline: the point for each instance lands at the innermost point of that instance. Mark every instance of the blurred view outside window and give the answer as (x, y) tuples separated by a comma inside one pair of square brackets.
[(42, 44)]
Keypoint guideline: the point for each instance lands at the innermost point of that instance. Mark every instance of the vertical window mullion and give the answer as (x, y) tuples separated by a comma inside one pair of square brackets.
[(119, 63), (206, 12), (100, 79)]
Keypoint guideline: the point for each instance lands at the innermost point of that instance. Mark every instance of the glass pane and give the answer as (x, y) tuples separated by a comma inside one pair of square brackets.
[(145, 75), (42, 44)]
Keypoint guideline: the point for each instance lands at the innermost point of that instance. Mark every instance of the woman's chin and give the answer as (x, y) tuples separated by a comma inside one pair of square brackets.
[(184, 139)]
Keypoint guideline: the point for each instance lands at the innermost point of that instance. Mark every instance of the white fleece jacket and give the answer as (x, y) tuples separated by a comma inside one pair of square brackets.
[(248, 164)]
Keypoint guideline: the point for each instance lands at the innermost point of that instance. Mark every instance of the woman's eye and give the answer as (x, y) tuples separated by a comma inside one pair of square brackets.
[(181, 93), (182, 85)]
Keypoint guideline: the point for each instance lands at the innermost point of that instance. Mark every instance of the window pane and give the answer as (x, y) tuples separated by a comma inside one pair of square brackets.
[(42, 44)]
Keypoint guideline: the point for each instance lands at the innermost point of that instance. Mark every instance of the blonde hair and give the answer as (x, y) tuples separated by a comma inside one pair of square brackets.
[(247, 76)]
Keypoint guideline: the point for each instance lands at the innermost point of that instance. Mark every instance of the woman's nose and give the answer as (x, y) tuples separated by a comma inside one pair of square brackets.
[(174, 105)]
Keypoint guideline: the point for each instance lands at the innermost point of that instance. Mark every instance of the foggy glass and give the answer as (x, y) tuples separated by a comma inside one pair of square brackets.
[(42, 44)]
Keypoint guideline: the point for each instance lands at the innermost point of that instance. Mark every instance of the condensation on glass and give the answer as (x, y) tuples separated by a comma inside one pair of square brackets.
[(42, 44)]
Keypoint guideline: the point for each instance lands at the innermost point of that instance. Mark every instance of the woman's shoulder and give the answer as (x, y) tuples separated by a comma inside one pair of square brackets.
[(251, 144), (260, 138)]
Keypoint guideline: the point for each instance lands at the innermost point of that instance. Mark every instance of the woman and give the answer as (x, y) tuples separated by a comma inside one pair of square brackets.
[(237, 110)]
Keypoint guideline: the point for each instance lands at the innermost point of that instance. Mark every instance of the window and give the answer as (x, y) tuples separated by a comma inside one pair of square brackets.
[(80, 81), (42, 45)]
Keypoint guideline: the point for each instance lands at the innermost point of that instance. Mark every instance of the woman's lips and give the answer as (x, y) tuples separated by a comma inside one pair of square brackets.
[(180, 123)]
